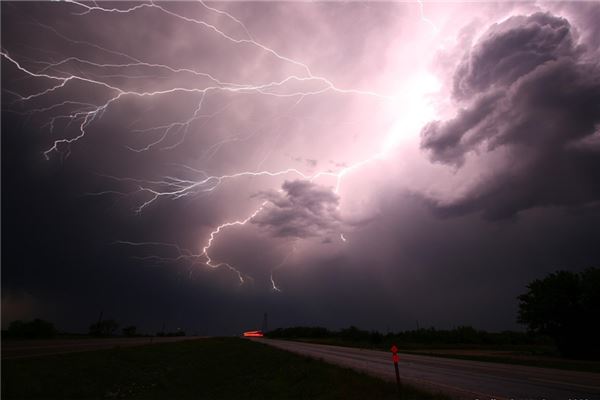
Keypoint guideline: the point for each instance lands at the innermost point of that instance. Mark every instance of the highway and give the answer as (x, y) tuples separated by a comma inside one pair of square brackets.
[(458, 378), (36, 348)]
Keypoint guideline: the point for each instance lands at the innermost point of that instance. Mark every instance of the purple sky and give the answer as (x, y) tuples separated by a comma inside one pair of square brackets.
[(329, 163)]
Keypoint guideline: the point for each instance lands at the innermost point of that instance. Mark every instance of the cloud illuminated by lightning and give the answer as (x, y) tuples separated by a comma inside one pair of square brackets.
[(425, 19), (84, 114)]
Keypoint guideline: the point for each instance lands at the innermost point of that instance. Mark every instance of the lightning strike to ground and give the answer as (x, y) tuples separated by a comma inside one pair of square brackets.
[(84, 114)]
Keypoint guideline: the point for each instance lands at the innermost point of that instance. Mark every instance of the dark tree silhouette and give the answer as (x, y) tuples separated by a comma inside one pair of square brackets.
[(130, 331), (35, 329), (104, 328), (565, 306)]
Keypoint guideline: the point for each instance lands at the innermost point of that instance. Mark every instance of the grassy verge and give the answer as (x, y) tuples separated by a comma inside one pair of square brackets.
[(534, 356), (225, 368), (569, 365)]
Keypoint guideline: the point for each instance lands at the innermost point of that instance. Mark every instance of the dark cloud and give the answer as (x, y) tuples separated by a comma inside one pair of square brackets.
[(301, 209), (510, 50), (404, 264), (526, 91), (587, 15)]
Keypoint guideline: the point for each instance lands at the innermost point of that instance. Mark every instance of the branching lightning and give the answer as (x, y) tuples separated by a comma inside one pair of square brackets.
[(84, 114)]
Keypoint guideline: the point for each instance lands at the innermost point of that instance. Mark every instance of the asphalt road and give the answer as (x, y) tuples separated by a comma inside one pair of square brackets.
[(36, 348), (458, 378)]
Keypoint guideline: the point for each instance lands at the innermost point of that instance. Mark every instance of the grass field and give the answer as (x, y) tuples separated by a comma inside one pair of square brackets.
[(535, 356), (219, 368)]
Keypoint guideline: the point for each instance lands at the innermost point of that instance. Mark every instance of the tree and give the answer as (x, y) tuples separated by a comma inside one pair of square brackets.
[(36, 329), (130, 331), (565, 306), (104, 328)]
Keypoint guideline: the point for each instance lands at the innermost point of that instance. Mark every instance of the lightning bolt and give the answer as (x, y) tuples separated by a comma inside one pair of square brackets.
[(425, 19), (83, 114), (274, 286)]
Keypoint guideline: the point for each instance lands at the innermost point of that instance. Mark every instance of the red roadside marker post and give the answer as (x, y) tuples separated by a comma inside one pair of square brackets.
[(395, 359)]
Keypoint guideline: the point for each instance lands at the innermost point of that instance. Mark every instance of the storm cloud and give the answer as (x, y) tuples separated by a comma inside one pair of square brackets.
[(528, 98), (310, 169), (301, 209)]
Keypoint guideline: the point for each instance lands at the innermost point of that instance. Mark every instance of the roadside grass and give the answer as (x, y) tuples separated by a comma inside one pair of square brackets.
[(216, 368), (527, 355), (564, 364)]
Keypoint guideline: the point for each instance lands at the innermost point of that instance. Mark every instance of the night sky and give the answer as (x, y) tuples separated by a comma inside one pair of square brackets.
[(332, 163)]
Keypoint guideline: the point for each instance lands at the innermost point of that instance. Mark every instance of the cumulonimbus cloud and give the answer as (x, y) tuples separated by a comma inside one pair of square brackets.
[(528, 89), (301, 209)]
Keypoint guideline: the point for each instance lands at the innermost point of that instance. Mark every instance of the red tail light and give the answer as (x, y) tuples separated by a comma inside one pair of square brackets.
[(253, 334)]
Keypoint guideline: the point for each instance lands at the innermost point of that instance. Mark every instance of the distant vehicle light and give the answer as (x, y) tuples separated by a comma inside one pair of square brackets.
[(253, 334)]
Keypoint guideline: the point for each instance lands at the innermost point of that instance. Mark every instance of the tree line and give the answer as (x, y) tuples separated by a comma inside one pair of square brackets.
[(561, 309), (429, 336), (40, 329)]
